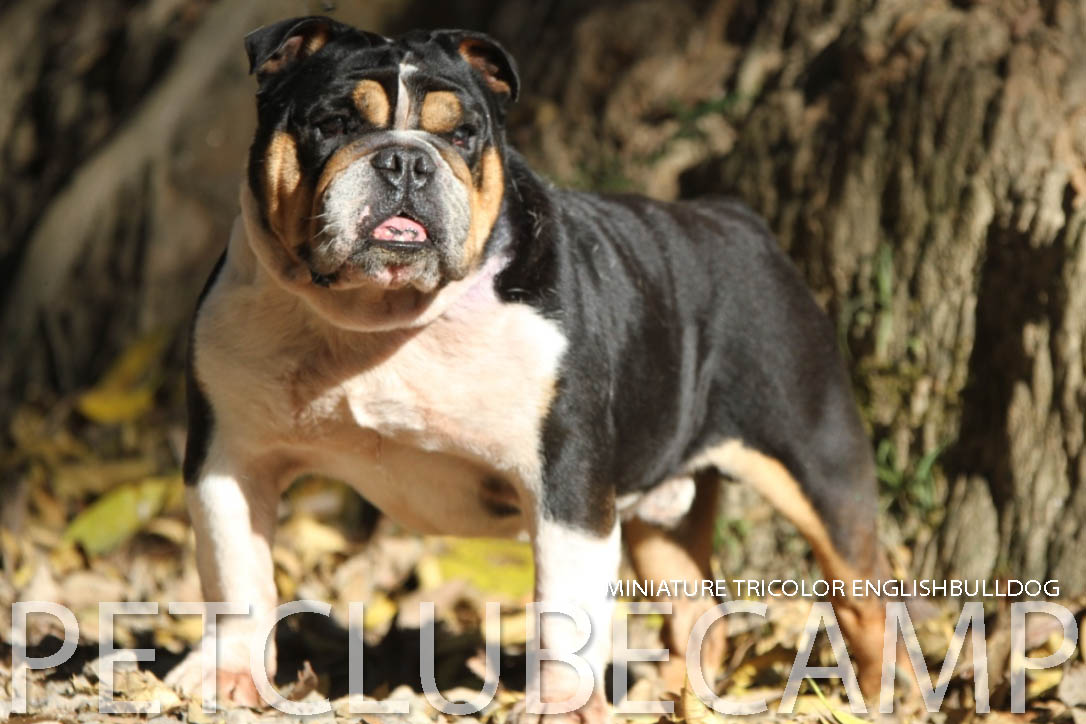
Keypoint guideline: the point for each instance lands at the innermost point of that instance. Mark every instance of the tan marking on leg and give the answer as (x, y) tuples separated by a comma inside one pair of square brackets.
[(683, 553), (372, 102), (861, 620), (441, 112)]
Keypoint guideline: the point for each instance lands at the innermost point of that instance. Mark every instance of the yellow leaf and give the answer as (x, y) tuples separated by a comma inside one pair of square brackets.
[(428, 571), (692, 710), (378, 612), (36, 437), (312, 539), (493, 566), (65, 558), (164, 638), (175, 496), (20, 561), (119, 514), (842, 716), (1042, 680), (9, 547), (285, 584), (51, 512), (137, 361), (109, 405), (137, 685), (514, 629), (747, 672), (127, 389), (189, 629), (197, 715)]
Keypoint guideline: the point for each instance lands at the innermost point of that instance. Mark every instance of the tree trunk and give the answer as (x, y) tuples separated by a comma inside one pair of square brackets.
[(123, 134), (926, 168)]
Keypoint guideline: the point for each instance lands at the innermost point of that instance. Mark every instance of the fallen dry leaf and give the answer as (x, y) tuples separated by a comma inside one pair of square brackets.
[(1072, 688), (121, 513), (842, 716), (126, 392), (692, 710)]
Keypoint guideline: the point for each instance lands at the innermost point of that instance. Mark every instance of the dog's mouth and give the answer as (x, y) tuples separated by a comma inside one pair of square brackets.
[(390, 253), (399, 228), (400, 233)]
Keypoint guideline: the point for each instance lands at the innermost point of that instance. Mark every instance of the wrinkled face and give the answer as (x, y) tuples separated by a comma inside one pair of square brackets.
[(377, 162)]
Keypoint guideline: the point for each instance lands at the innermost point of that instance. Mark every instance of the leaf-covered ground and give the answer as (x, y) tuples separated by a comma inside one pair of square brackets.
[(92, 511)]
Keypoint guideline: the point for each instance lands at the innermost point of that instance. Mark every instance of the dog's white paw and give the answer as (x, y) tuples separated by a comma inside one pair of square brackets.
[(233, 687), (595, 711)]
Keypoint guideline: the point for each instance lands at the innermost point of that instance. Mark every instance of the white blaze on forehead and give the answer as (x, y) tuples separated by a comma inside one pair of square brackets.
[(403, 100)]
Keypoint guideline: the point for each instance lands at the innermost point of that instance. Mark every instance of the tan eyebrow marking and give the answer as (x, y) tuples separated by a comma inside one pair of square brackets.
[(372, 102), (441, 112)]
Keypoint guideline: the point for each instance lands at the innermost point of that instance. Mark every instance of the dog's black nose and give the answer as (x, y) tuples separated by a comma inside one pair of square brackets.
[(407, 169)]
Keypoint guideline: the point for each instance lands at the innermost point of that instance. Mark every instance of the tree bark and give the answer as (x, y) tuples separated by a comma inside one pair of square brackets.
[(950, 141), (122, 142)]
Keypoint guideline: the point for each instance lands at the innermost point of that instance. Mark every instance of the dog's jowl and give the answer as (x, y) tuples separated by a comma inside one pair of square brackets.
[(406, 306)]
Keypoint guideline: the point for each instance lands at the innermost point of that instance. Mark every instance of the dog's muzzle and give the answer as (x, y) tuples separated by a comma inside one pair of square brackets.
[(399, 206)]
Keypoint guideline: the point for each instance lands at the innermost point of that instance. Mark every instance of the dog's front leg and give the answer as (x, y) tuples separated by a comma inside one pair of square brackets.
[(573, 567), (233, 510)]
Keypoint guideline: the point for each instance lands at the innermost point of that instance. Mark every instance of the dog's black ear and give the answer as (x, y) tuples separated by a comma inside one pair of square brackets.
[(490, 60), (274, 48)]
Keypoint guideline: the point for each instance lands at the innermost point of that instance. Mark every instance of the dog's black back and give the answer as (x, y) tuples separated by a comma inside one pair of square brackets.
[(688, 326)]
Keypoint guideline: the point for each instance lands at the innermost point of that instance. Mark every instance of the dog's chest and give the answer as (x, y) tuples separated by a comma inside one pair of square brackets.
[(475, 384)]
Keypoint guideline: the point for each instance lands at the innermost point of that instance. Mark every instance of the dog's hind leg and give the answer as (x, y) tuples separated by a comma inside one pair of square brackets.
[(841, 531), (660, 554)]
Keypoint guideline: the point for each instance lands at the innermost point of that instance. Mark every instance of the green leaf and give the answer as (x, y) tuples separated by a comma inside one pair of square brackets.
[(493, 566), (119, 514)]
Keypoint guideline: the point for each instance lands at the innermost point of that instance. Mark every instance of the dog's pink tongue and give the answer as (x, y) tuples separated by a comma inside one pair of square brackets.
[(399, 228)]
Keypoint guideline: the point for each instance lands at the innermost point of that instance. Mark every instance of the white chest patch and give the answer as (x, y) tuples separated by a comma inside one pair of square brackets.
[(439, 426)]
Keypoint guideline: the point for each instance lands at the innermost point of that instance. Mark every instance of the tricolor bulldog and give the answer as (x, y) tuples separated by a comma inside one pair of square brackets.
[(406, 306)]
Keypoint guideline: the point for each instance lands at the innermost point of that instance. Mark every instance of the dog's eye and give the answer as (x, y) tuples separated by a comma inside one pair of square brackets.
[(332, 126), (463, 136)]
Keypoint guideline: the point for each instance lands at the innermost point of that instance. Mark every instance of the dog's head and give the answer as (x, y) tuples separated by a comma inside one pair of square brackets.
[(377, 163)]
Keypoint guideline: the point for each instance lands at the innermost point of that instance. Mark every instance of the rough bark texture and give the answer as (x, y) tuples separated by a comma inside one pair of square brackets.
[(922, 162), (122, 140)]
